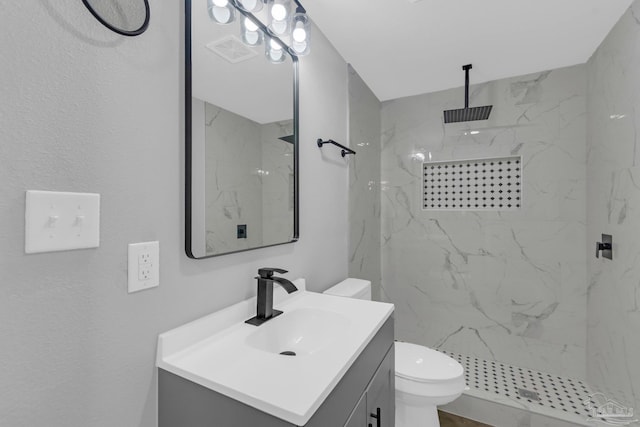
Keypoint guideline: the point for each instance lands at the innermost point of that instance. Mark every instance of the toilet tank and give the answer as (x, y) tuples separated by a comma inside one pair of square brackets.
[(351, 288)]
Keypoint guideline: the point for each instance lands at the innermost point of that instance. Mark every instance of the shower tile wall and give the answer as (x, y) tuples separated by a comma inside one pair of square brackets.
[(277, 184), (364, 183), (507, 286), (613, 338), (231, 185), (248, 182)]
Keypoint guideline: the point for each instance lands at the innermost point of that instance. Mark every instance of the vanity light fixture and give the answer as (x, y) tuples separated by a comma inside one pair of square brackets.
[(300, 33), (221, 11), (279, 17), (251, 34), (251, 6), (293, 27), (274, 51)]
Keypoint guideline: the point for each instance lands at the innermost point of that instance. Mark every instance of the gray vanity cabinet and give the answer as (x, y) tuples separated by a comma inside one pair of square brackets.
[(366, 388), (380, 395), (376, 406), (359, 416)]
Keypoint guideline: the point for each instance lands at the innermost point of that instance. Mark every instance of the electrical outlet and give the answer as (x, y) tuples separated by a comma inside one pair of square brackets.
[(144, 273), (144, 258), (144, 262)]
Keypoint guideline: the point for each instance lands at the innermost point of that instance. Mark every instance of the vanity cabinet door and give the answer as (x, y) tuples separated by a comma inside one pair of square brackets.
[(380, 395), (359, 416)]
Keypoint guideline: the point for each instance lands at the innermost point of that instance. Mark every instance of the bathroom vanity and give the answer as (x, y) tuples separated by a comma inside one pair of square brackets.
[(219, 371)]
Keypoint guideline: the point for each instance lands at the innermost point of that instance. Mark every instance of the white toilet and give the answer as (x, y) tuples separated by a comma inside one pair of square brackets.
[(425, 378)]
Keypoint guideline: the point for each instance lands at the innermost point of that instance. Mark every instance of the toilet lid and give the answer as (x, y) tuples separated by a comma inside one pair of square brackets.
[(419, 363)]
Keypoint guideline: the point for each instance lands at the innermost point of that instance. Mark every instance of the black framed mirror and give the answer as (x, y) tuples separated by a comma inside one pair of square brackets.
[(241, 125), (125, 17)]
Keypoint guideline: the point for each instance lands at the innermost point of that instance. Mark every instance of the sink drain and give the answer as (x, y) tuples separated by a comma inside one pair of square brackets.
[(288, 353)]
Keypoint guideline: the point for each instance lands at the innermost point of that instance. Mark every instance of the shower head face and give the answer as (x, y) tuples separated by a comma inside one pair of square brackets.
[(467, 114)]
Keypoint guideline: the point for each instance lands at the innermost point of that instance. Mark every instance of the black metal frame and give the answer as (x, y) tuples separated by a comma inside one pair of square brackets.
[(299, 7), (345, 150), (120, 31), (189, 134)]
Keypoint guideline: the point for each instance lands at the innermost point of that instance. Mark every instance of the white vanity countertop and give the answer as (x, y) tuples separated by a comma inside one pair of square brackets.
[(214, 352)]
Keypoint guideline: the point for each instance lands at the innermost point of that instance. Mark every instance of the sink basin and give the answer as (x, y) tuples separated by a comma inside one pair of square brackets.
[(299, 332), (243, 362)]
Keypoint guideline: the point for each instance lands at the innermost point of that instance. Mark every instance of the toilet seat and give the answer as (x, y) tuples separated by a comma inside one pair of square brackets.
[(421, 364)]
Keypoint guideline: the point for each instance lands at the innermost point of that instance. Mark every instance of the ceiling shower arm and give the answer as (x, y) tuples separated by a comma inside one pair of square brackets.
[(466, 69)]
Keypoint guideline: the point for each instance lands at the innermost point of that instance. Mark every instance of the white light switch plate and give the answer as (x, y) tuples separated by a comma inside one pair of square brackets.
[(144, 266), (57, 221)]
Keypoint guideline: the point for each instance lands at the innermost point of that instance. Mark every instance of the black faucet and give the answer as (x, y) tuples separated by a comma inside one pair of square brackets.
[(264, 308)]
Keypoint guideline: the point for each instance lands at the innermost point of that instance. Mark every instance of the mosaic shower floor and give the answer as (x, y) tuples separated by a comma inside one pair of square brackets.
[(544, 393)]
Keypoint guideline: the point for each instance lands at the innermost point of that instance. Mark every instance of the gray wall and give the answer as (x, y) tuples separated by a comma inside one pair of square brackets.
[(364, 183), (83, 109), (507, 286), (613, 341)]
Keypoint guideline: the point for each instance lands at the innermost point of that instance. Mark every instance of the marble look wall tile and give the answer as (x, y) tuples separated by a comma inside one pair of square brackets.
[(231, 180), (248, 180), (364, 183), (508, 286), (277, 183), (613, 206)]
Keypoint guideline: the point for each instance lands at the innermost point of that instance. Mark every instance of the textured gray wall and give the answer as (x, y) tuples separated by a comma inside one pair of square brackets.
[(364, 183), (83, 109)]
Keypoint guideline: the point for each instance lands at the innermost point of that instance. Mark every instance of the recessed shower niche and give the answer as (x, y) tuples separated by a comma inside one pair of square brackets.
[(477, 184)]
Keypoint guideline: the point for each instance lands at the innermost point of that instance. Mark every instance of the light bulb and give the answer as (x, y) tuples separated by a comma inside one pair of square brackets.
[(252, 38), (276, 55), (300, 47), (221, 3), (274, 51), (250, 25), (249, 4), (279, 27), (299, 35), (222, 14), (278, 12), (274, 45)]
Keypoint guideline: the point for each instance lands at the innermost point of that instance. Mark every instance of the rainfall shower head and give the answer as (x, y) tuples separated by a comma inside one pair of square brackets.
[(288, 138), (467, 114)]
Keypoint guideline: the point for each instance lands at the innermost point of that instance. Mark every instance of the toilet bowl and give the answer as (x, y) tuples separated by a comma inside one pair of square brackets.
[(424, 378)]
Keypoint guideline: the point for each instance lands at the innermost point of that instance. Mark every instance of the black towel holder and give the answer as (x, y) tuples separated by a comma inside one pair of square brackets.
[(345, 150)]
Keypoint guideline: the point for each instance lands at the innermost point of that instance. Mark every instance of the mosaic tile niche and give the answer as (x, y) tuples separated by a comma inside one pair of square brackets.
[(481, 184)]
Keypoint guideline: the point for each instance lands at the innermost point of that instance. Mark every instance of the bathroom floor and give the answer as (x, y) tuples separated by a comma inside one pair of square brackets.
[(450, 420), (545, 391)]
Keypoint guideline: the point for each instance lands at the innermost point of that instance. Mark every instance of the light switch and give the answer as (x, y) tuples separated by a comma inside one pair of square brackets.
[(57, 221)]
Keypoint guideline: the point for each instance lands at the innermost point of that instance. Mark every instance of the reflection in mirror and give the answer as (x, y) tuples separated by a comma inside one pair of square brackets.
[(241, 136)]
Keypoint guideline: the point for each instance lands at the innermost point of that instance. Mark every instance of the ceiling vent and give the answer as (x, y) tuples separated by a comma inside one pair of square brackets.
[(232, 49)]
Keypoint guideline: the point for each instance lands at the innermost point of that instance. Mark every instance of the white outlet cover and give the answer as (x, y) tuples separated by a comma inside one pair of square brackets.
[(61, 221), (144, 266)]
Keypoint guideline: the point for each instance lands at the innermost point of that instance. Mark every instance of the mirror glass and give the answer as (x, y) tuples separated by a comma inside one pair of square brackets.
[(241, 137)]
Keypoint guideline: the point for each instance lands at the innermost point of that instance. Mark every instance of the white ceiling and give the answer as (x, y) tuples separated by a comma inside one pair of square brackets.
[(402, 47)]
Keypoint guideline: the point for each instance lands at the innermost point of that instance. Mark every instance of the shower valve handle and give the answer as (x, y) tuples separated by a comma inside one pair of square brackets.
[(602, 247), (605, 246)]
